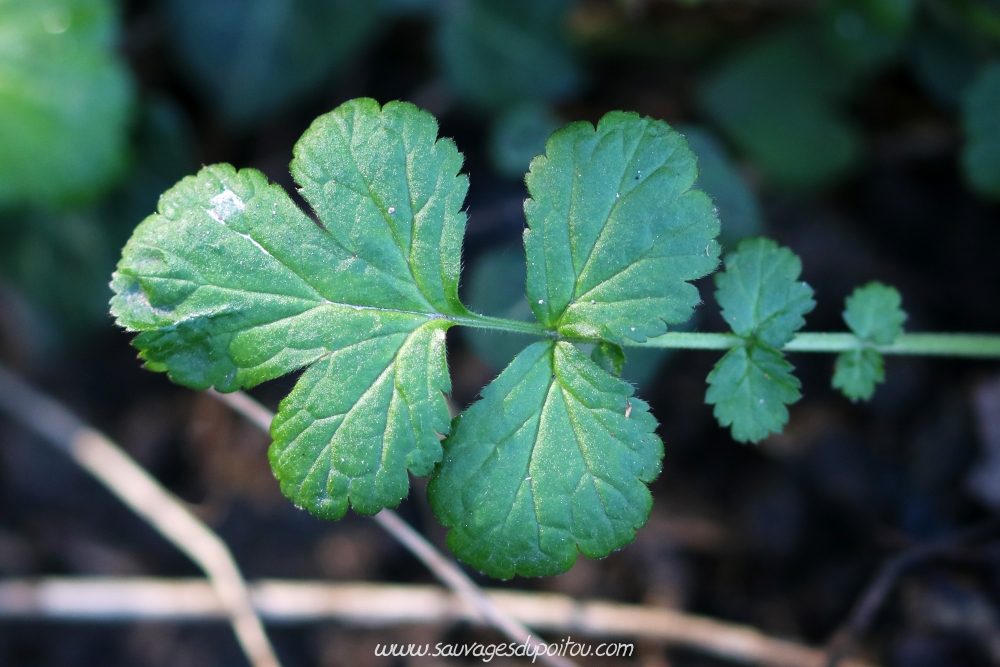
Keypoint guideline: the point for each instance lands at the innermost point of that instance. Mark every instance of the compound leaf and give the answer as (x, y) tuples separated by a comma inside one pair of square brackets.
[(231, 284), (615, 230), (874, 314), (750, 387), (65, 100), (554, 459), (981, 155), (760, 292), (857, 372)]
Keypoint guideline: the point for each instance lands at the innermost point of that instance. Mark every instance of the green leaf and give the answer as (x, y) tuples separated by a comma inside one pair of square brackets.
[(363, 415), (60, 260), (750, 387), (253, 58), (779, 100), (518, 134), (495, 52), (554, 459), (760, 292), (874, 314), (615, 230), (864, 34), (764, 302), (231, 284), (495, 287), (943, 64), (981, 155), (65, 101), (857, 372), (609, 357)]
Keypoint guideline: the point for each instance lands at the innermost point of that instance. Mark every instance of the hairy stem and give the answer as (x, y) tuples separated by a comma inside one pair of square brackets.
[(985, 346), (501, 324)]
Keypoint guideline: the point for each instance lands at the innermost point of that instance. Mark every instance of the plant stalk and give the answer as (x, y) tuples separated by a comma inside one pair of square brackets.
[(982, 346)]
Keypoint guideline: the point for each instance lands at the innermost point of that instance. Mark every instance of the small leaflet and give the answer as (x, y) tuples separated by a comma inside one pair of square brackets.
[(874, 314), (764, 302)]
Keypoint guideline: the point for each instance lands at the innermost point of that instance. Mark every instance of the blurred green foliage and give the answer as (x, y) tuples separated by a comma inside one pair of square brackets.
[(739, 210), (65, 101), (496, 52), (943, 64), (518, 134), (252, 58), (61, 260), (779, 100), (981, 120)]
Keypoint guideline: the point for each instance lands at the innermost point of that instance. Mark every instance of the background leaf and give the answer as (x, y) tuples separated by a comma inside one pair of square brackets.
[(615, 230), (864, 34), (981, 122), (943, 64), (738, 208), (519, 134), (546, 464), (495, 52), (65, 101), (778, 100), (252, 58)]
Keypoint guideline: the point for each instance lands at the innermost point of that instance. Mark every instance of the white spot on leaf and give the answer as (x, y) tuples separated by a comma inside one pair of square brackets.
[(225, 205)]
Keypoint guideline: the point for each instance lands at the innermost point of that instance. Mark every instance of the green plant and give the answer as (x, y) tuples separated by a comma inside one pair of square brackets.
[(231, 284), (65, 101)]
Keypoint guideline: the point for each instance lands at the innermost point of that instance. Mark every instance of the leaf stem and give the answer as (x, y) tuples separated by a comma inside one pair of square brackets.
[(984, 346), (501, 324)]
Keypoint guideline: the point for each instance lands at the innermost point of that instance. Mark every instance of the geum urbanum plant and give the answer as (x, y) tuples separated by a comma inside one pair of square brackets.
[(231, 284)]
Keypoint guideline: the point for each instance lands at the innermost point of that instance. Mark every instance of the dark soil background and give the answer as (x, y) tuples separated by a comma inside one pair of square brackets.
[(784, 536)]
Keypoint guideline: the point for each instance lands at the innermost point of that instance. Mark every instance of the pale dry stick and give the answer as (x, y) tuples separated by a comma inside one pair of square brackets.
[(380, 605), (135, 487), (443, 568)]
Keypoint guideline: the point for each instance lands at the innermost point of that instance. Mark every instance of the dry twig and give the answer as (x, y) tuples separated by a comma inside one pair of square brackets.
[(442, 567), (227, 595), (382, 604), (103, 459)]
